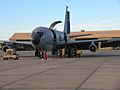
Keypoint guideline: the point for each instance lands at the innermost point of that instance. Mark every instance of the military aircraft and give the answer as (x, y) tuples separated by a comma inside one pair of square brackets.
[(50, 39)]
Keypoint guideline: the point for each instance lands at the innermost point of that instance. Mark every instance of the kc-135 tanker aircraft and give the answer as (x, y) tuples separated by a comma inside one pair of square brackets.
[(50, 39)]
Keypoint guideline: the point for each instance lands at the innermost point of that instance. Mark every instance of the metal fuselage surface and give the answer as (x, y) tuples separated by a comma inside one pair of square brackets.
[(46, 39)]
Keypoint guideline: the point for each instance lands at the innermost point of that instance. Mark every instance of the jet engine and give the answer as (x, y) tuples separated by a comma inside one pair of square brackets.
[(93, 47), (5, 48), (9, 46)]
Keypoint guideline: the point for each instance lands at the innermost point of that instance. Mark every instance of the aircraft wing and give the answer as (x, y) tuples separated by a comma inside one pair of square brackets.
[(72, 36), (18, 45), (84, 44)]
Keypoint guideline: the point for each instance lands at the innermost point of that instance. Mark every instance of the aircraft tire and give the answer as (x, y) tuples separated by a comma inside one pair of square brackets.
[(60, 52), (70, 52)]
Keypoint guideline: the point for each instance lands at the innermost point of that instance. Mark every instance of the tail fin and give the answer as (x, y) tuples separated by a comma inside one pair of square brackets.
[(67, 22)]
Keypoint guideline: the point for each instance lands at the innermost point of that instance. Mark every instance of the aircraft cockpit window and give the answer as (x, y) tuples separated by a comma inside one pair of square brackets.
[(40, 33)]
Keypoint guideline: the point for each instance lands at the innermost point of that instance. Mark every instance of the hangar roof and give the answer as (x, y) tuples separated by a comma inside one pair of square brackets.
[(20, 36), (95, 34), (99, 34)]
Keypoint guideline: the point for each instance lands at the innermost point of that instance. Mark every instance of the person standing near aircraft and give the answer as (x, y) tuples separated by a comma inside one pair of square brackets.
[(42, 56), (45, 55)]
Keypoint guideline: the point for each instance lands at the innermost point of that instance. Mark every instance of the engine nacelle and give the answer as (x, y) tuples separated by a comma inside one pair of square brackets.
[(93, 48), (5, 48)]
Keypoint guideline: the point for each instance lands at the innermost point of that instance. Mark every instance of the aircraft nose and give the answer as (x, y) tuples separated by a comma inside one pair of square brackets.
[(35, 41), (36, 36)]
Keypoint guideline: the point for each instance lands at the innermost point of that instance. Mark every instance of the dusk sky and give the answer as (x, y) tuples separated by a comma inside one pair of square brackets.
[(25, 15)]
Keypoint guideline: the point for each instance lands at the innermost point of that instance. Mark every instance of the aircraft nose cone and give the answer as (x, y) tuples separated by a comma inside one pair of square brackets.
[(35, 41), (36, 36)]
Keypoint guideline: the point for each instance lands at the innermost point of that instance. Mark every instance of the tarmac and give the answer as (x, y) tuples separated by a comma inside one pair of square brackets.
[(99, 71)]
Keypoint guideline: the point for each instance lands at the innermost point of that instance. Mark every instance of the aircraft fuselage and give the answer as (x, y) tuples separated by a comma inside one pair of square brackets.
[(45, 39)]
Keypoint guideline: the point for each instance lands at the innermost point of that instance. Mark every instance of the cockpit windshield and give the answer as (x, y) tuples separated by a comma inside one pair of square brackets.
[(40, 34)]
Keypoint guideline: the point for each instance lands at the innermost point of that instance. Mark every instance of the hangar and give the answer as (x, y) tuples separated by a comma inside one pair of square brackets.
[(98, 34), (95, 35), (20, 37)]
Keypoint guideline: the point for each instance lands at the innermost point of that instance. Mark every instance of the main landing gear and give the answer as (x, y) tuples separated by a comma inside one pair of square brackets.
[(70, 52), (73, 52)]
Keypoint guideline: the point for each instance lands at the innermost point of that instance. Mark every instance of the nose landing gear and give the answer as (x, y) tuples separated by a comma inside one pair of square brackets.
[(37, 53)]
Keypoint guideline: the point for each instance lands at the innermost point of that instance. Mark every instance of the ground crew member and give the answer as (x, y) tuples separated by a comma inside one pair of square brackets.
[(42, 55), (45, 55)]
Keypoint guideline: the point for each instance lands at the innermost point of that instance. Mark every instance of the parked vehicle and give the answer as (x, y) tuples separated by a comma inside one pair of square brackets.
[(10, 54)]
